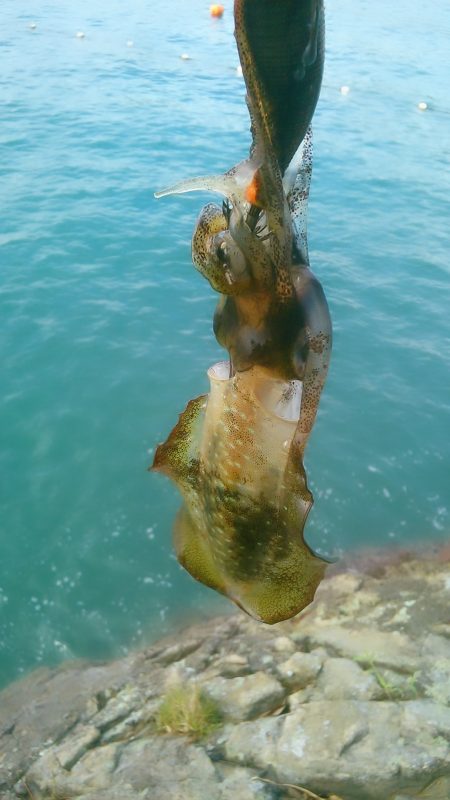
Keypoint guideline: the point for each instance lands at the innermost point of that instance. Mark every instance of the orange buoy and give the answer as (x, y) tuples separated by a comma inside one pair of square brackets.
[(216, 10)]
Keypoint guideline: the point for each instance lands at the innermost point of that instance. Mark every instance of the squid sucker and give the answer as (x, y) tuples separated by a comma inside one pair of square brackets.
[(236, 454)]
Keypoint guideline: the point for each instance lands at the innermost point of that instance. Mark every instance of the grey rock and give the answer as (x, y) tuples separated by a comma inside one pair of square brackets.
[(436, 679), (118, 708), (442, 629), (284, 645), (343, 679), (344, 585), (437, 790), (388, 649), (115, 793), (232, 666), (126, 728), (246, 697), (68, 753), (239, 783), (45, 707), (46, 776), (397, 685), (357, 750), (178, 651), (299, 670), (362, 678), (436, 647), (170, 768), (95, 769), (302, 696)]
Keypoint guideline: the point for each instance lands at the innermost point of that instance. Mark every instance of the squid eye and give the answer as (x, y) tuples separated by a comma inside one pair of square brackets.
[(228, 254), (222, 253)]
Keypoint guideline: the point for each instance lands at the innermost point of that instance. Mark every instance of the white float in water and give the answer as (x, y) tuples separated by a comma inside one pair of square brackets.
[(130, 43), (32, 26), (80, 35), (422, 106), (185, 57), (344, 89)]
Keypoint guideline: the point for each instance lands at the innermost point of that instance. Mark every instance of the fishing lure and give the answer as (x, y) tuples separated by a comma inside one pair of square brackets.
[(236, 454)]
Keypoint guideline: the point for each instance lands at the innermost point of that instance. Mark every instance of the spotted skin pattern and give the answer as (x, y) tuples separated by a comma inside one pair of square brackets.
[(236, 454), (246, 499)]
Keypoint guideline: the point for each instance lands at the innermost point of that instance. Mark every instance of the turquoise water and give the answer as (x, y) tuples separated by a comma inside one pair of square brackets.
[(106, 327)]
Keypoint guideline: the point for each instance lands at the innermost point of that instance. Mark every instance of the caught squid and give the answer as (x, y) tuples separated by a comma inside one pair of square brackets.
[(237, 453)]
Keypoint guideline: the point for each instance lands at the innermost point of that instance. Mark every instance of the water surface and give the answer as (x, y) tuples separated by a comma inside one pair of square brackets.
[(106, 327)]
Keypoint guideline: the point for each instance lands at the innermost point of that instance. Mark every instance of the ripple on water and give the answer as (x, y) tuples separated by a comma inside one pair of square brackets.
[(108, 328)]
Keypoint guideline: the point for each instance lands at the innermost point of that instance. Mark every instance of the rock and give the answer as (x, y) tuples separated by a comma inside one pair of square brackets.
[(436, 647), (68, 753), (437, 681), (118, 708), (232, 666), (438, 790), (297, 699), (241, 744), (246, 697), (177, 674), (358, 750), (126, 728), (178, 651), (443, 629), (299, 670), (169, 768), (396, 685), (239, 783), (343, 679), (45, 707), (115, 793), (345, 584), (95, 769), (283, 644), (365, 705), (393, 650)]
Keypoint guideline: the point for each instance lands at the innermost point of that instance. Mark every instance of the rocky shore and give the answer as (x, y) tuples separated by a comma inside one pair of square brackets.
[(349, 700)]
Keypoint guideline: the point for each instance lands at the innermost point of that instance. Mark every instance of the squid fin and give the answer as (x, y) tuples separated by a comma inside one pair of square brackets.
[(286, 590), (194, 552), (178, 457)]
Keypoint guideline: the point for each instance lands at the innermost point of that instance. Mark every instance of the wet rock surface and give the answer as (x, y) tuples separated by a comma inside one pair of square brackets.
[(350, 699)]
